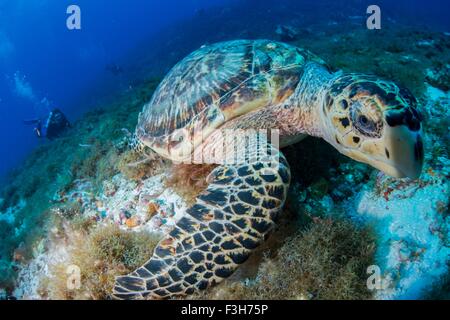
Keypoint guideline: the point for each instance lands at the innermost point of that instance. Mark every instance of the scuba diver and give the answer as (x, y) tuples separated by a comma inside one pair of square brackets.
[(55, 124)]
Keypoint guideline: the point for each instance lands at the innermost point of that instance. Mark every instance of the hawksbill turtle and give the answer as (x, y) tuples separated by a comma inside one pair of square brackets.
[(257, 86)]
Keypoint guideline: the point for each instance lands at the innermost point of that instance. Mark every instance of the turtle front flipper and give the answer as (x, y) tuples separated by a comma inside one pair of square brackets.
[(218, 233)]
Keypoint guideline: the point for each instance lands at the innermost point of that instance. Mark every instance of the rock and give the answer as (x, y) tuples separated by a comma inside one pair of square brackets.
[(133, 222), (152, 209), (439, 77), (425, 43), (18, 256), (109, 188), (319, 189), (287, 33)]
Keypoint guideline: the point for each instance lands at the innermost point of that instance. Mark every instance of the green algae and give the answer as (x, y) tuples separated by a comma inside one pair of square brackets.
[(100, 255), (327, 260), (394, 53)]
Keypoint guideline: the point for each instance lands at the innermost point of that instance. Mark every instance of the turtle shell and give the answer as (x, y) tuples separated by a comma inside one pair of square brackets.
[(214, 84)]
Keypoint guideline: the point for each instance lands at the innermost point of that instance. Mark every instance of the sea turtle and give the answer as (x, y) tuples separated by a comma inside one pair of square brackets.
[(257, 86)]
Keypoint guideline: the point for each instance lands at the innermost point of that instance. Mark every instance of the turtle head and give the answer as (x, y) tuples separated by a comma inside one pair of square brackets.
[(375, 122)]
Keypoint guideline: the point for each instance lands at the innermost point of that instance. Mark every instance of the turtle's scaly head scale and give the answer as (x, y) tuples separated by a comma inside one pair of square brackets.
[(375, 122)]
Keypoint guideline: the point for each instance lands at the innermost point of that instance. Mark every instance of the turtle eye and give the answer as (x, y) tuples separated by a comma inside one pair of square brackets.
[(365, 123)]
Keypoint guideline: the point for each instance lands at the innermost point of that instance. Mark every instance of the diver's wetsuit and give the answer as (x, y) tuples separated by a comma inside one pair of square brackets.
[(55, 124)]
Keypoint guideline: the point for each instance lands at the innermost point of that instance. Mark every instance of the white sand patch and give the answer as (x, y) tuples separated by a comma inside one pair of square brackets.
[(31, 275), (412, 236)]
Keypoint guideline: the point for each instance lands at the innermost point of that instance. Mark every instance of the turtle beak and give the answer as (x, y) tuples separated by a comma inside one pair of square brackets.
[(404, 152)]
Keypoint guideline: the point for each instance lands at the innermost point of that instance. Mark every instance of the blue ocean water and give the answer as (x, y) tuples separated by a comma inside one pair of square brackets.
[(44, 65)]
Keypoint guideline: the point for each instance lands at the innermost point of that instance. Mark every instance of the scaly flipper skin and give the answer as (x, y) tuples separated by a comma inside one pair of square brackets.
[(218, 233)]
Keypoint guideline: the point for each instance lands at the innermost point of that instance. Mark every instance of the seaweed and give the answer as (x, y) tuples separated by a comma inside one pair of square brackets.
[(101, 255), (188, 180), (401, 54), (327, 260), (136, 166)]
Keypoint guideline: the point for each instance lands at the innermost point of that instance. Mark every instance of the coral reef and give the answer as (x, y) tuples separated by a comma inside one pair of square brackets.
[(106, 253), (85, 199), (99, 256), (70, 168)]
